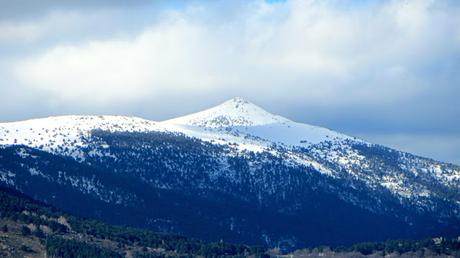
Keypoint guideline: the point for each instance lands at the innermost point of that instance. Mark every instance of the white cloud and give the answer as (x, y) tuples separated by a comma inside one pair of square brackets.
[(11, 32), (59, 26), (158, 59), (315, 50)]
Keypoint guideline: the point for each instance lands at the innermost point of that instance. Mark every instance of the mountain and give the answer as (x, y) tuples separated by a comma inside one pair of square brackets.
[(234, 172)]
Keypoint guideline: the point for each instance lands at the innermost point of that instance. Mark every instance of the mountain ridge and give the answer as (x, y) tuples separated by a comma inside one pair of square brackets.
[(270, 165), (239, 122), (253, 121)]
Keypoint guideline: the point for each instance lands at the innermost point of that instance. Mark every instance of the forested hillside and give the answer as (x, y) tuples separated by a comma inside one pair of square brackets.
[(33, 229), (431, 247)]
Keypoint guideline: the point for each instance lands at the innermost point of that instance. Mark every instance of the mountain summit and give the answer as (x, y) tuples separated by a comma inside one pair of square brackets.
[(234, 112)]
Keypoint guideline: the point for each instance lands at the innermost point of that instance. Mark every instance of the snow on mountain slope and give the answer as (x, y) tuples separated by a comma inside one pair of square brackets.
[(235, 121), (234, 112), (65, 134), (249, 127), (246, 127), (243, 117)]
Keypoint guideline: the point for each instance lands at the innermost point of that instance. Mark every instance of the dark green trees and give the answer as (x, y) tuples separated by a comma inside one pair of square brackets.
[(25, 231)]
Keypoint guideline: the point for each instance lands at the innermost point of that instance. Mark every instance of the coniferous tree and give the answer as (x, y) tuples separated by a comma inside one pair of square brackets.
[(39, 233), (25, 231)]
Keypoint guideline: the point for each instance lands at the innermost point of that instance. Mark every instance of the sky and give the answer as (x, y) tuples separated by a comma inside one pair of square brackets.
[(385, 71)]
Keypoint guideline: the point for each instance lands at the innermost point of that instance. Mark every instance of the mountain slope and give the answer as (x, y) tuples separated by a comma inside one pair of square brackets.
[(216, 173), (33, 229)]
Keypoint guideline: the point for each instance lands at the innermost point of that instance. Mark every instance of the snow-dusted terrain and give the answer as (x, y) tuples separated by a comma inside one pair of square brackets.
[(66, 134), (235, 121), (239, 116), (245, 126)]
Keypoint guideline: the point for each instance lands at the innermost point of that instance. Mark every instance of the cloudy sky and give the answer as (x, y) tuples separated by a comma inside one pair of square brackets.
[(385, 71)]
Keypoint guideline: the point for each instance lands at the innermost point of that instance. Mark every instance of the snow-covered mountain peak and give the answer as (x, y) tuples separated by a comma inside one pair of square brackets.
[(234, 112)]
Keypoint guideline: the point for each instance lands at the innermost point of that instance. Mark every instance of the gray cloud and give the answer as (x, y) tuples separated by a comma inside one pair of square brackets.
[(27, 9), (444, 147)]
